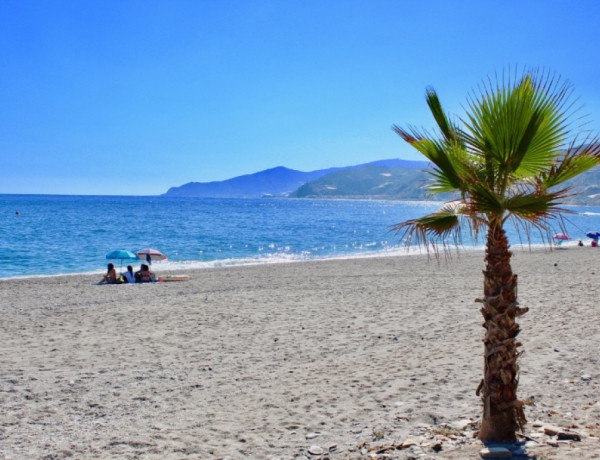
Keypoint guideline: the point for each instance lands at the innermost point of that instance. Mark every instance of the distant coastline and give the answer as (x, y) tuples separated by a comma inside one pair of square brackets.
[(386, 178), (392, 179)]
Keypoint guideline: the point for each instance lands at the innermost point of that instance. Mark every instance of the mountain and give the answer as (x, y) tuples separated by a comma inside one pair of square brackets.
[(586, 186), (384, 179), (374, 181), (279, 181), (385, 182), (275, 181)]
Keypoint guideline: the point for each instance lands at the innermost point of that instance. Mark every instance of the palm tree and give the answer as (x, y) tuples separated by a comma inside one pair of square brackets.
[(508, 159)]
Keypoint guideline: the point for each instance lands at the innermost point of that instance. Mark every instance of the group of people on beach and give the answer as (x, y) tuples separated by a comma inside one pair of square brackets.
[(143, 275)]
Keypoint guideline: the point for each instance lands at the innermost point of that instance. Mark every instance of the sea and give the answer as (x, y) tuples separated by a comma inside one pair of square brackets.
[(45, 235)]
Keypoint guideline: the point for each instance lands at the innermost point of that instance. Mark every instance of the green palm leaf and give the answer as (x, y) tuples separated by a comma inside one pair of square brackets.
[(575, 161), (435, 228), (448, 130), (434, 151), (534, 206)]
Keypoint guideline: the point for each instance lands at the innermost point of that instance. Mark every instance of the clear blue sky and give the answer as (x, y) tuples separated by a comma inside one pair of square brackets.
[(133, 97)]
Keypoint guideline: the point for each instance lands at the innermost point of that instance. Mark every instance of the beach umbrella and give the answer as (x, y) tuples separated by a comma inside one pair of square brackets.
[(121, 254), (150, 254), (593, 235), (560, 237)]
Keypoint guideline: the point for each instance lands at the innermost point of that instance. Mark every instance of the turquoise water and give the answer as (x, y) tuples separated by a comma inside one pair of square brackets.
[(49, 234)]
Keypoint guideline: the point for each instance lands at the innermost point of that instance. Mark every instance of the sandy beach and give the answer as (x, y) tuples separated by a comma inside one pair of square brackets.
[(362, 358)]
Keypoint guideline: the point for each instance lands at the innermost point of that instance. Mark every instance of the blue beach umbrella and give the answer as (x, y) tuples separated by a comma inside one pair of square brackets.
[(121, 254), (593, 235)]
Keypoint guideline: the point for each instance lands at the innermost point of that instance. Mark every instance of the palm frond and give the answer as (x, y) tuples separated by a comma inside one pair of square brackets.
[(576, 160), (542, 226), (457, 173), (485, 199), (448, 130), (436, 152), (535, 206), (516, 127), (440, 182), (507, 157), (435, 229)]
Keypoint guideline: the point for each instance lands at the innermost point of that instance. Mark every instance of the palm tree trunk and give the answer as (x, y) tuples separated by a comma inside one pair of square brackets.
[(502, 411)]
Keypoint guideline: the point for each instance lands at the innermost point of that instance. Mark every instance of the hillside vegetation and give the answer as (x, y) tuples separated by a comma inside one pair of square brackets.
[(368, 181), (384, 179), (395, 183)]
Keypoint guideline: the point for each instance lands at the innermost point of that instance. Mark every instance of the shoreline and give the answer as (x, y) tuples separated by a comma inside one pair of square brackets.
[(274, 360), (194, 265)]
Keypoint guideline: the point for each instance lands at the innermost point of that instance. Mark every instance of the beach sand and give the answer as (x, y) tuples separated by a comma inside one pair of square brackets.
[(333, 359)]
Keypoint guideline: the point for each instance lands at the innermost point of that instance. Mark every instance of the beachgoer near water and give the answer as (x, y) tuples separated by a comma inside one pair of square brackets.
[(129, 276), (111, 275), (144, 275)]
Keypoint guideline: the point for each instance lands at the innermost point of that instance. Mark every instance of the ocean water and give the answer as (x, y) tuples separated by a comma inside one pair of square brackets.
[(51, 234)]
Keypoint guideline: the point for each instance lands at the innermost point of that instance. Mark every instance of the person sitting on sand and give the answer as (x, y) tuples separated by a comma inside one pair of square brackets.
[(111, 275), (129, 276), (144, 275)]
